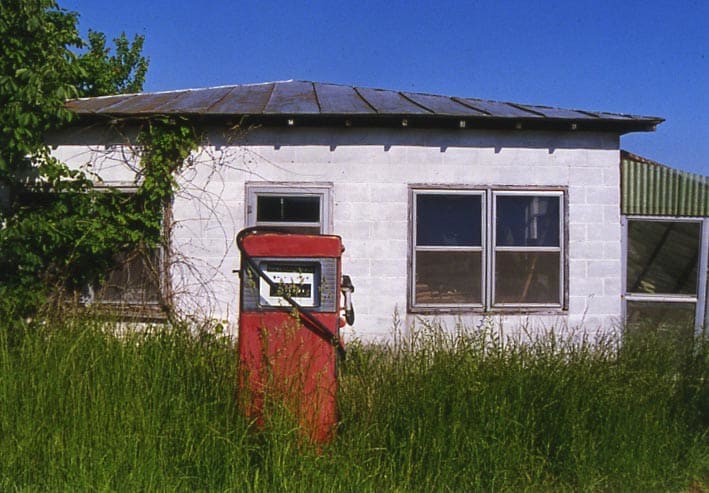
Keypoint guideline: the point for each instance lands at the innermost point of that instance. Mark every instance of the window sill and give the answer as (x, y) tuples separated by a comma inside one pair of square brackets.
[(463, 310), (126, 312)]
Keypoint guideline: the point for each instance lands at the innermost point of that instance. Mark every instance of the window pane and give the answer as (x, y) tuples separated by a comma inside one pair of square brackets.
[(663, 256), (306, 230), (287, 208), (677, 318), (527, 277), (133, 280), (448, 220), (527, 220), (448, 277)]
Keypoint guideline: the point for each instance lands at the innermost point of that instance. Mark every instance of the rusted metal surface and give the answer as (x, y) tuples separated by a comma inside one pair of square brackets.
[(443, 105), (312, 100), (341, 100), (296, 98), (652, 189)]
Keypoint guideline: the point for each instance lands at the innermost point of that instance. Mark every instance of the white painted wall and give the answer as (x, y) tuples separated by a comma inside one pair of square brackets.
[(371, 171)]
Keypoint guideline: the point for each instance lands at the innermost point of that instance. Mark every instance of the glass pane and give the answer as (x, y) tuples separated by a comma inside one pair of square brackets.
[(526, 220), (306, 230), (133, 280), (674, 317), (527, 277), (448, 220), (287, 208), (663, 257), (448, 277)]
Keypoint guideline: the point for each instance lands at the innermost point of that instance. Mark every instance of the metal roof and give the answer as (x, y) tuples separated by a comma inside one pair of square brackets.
[(315, 103), (649, 188)]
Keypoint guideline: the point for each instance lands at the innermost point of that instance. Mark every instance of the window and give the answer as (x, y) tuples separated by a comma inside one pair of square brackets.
[(663, 275), (448, 252), (135, 280), (487, 249), (527, 249), (301, 209)]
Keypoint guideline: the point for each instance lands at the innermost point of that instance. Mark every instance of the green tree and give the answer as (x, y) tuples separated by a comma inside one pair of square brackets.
[(104, 73), (55, 230)]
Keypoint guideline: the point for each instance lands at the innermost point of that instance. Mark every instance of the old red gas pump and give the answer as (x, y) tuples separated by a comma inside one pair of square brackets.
[(289, 323)]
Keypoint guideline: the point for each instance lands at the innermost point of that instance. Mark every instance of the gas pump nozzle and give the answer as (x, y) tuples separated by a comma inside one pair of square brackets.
[(347, 289)]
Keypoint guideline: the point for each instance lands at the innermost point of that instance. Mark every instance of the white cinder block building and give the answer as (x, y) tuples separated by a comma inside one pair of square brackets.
[(449, 208)]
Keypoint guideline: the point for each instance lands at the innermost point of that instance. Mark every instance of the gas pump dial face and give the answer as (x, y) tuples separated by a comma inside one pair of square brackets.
[(299, 281)]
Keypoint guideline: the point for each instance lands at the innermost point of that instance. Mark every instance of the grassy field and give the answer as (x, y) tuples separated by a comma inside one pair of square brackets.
[(82, 409)]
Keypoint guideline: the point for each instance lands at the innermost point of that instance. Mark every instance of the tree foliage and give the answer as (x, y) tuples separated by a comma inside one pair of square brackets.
[(104, 73), (57, 232), (38, 71)]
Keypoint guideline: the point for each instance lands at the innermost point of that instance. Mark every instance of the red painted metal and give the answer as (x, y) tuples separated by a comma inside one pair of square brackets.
[(282, 360)]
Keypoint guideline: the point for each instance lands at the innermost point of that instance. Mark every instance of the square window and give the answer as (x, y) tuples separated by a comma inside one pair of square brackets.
[(527, 221), (663, 257), (448, 220), (527, 277), (134, 280), (448, 277)]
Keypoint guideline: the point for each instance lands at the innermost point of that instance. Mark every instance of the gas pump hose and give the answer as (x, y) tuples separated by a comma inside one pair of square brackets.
[(312, 323)]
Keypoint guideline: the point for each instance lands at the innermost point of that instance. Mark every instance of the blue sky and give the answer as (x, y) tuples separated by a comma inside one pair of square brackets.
[(641, 57)]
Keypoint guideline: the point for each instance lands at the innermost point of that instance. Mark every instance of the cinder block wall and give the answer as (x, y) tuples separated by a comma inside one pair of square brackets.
[(371, 171)]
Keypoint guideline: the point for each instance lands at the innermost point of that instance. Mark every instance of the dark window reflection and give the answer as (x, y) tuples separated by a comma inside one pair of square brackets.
[(663, 257), (287, 208), (677, 317), (448, 277), (448, 220), (527, 221), (527, 277)]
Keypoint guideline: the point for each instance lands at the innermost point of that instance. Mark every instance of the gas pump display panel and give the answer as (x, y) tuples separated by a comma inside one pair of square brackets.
[(310, 282), (300, 281)]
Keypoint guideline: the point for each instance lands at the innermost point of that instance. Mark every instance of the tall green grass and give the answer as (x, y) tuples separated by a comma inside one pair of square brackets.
[(83, 408)]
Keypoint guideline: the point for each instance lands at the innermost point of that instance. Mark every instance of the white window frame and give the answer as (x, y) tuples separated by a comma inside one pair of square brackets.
[(254, 190), (701, 315), (417, 248), (489, 248), (492, 224)]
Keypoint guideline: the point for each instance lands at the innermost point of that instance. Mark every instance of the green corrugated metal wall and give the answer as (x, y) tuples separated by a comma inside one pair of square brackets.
[(652, 189)]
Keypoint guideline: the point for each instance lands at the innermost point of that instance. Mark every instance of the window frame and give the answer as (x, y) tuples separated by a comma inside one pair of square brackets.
[(494, 248), (254, 190), (699, 299), (488, 249), (90, 294), (424, 248)]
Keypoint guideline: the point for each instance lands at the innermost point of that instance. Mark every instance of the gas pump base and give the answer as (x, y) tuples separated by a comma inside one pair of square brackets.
[(289, 327)]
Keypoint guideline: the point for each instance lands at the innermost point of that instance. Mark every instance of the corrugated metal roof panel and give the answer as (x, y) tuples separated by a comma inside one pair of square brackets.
[(390, 102), (142, 103), (341, 100), (194, 101), (296, 98), (93, 105), (653, 189), (499, 110), (555, 112), (251, 99), (442, 105)]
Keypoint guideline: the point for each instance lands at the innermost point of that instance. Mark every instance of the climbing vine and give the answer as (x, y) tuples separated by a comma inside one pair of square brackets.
[(67, 232), (166, 144)]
